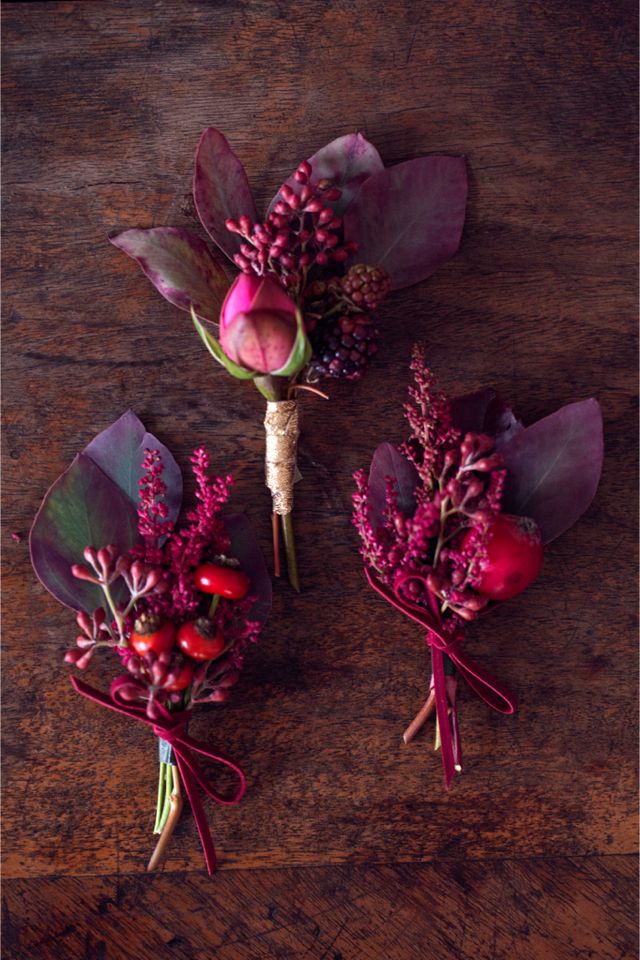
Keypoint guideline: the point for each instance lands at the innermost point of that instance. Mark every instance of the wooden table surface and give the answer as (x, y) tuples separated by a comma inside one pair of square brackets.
[(346, 845)]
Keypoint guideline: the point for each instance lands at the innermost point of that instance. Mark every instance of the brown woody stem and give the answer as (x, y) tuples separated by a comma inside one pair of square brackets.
[(420, 718), (170, 825)]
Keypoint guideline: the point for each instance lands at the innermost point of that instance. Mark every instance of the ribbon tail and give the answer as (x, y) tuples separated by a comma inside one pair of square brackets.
[(442, 713), (484, 685), (198, 811), (451, 685)]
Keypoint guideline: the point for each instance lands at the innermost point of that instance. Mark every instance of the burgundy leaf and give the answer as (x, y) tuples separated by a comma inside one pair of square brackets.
[(554, 466), (221, 190), (348, 161), (245, 548), (119, 452), (408, 218), (82, 508), (485, 412), (389, 462), (179, 265)]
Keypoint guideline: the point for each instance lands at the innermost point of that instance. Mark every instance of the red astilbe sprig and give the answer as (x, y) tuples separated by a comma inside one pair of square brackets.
[(153, 522), (158, 576), (203, 533), (428, 413), (458, 493)]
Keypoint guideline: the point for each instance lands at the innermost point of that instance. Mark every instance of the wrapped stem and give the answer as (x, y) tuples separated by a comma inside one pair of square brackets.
[(282, 428)]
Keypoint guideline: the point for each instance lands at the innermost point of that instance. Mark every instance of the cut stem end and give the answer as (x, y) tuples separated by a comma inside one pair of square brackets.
[(420, 718), (290, 550)]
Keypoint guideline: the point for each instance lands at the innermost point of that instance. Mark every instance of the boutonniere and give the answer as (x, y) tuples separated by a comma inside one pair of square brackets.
[(454, 522), (339, 236), (174, 605)]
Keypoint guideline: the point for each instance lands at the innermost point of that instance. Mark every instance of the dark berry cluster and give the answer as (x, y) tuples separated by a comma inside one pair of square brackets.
[(343, 346), (341, 329)]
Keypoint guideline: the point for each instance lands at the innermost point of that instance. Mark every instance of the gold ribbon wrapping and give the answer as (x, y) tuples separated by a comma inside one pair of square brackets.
[(282, 427)]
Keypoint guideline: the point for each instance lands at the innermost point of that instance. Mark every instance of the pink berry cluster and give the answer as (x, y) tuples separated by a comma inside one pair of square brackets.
[(302, 232), (439, 549), (302, 245)]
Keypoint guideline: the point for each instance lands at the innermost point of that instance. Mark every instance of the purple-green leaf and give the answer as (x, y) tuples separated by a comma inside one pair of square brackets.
[(94, 504), (485, 412), (348, 161), (221, 190), (119, 452), (554, 467), (83, 508), (389, 462), (408, 219), (179, 265), (245, 548)]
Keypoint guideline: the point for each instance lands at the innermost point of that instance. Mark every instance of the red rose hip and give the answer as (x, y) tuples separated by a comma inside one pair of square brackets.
[(181, 674), (200, 639), (229, 582), (150, 633), (514, 557)]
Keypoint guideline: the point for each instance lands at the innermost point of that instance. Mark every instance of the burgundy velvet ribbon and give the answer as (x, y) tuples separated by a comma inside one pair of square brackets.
[(494, 693), (171, 727)]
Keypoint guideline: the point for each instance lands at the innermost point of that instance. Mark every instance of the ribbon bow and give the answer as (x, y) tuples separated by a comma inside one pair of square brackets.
[(171, 728), (494, 693)]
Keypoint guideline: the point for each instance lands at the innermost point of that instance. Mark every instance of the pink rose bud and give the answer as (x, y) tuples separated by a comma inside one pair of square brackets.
[(258, 324)]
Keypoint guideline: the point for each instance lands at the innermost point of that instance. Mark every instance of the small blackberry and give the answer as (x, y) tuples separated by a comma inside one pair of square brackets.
[(342, 346), (366, 287)]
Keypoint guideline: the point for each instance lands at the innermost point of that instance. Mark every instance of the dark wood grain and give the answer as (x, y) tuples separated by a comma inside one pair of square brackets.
[(502, 909), (103, 105)]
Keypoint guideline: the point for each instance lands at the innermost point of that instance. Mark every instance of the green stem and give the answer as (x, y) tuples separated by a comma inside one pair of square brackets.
[(440, 543), (169, 780), (271, 388), (117, 616), (160, 801), (214, 604), (290, 550)]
